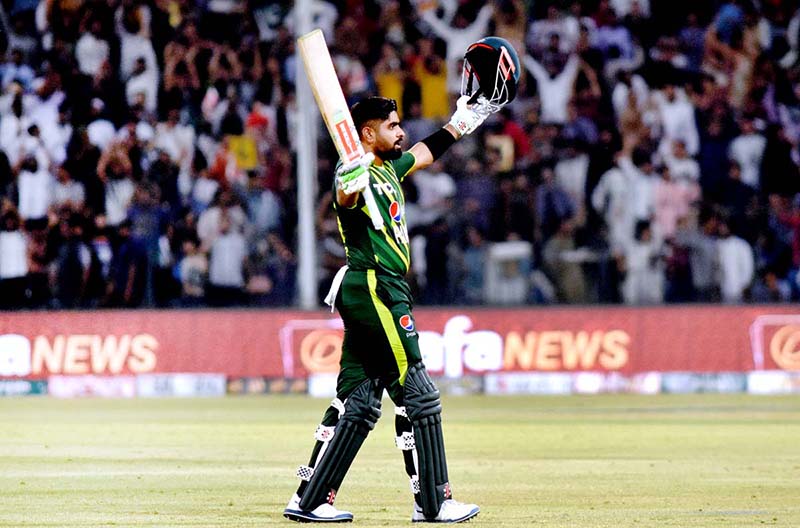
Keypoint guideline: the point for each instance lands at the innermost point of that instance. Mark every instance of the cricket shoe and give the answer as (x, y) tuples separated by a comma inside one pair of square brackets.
[(323, 513), (451, 511)]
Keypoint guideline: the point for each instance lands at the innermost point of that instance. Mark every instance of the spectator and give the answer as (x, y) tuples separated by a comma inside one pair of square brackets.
[(747, 150), (16, 71), (282, 270), (435, 189), (193, 270), (430, 73), (681, 166), (702, 246), (35, 189), (677, 118), (226, 265), (115, 170), (457, 38), (142, 86), (624, 83), (92, 50), (13, 261), (644, 268), (73, 264), (68, 192), (562, 264), (127, 270), (736, 265), (474, 266), (554, 85), (671, 202)]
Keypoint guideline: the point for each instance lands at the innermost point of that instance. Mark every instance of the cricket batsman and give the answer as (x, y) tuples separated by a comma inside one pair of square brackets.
[(380, 348)]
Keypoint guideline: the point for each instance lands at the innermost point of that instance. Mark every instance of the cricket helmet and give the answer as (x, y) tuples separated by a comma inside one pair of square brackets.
[(491, 69)]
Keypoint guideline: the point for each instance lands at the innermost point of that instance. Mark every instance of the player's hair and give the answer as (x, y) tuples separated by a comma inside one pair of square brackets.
[(370, 109)]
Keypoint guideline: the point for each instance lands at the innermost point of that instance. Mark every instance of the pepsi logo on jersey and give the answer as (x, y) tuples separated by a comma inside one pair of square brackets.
[(406, 322), (395, 211)]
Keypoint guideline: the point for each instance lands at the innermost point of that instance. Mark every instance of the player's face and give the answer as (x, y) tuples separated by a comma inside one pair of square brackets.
[(389, 140)]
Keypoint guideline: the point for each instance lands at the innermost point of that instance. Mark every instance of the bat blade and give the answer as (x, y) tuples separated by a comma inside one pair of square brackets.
[(332, 105)]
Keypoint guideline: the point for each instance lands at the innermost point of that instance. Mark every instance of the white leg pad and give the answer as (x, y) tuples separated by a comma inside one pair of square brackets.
[(324, 433), (405, 442), (414, 484), (305, 472)]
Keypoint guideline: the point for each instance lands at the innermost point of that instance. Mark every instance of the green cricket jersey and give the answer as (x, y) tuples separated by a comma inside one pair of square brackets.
[(386, 250)]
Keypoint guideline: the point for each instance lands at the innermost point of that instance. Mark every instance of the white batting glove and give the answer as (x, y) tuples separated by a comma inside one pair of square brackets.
[(467, 118), (353, 177)]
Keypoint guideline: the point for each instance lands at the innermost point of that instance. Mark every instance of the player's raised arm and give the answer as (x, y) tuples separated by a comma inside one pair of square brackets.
[(465, 119), (489, 81)]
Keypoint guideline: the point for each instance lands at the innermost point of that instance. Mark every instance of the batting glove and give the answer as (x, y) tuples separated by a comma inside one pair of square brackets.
[(467, 118), (353, 177)]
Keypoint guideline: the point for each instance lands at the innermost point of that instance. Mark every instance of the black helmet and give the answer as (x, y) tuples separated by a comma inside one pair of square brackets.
[(491, 63)]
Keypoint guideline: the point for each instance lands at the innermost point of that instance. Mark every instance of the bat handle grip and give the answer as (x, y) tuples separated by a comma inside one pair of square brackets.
[(372, 207)]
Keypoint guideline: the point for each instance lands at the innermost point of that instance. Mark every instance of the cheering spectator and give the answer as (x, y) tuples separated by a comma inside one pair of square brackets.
[(226, 265), (457, 38), (129, 130)]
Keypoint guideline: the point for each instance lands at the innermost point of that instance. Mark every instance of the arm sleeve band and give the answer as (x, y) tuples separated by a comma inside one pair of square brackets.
[(439, 142)]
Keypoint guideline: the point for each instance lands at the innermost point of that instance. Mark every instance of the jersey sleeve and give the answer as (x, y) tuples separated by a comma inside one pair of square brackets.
[(404, 164)]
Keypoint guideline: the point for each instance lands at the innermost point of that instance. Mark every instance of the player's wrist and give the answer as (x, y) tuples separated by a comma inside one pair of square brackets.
[(441, 140)]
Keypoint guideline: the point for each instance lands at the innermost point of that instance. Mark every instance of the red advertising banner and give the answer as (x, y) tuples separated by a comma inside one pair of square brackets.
[(293, 344)]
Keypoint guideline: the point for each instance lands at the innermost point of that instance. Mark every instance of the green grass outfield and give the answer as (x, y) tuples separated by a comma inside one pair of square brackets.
[(605, 461)]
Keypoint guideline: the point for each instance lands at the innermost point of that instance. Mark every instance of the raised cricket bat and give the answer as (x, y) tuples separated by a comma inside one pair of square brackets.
[(333, 107)]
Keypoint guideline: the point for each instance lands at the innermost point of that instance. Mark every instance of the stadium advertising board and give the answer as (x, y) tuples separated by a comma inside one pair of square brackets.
[(455, 343)]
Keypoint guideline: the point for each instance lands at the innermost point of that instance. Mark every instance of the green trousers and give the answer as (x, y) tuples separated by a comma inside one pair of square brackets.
[(380, 343), (380, 336)]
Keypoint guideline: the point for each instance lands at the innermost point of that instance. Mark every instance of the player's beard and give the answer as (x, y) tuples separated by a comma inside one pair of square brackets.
[(389, 154)]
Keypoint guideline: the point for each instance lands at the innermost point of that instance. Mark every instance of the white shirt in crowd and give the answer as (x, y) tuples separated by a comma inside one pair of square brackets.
[(203, 191), (144, 83), (619, 96), (226, 264), (68, 192), (119, 194), (101, 132), (643, 188), (91, 52), (677, 122), (227, 6), (35, 193), (682, 169), (178, 142), (457, 41), (613, 198), (736, 267), (12, 131), (747, 150), (554, 92), (210, 220), (566, 27), (323, 15), (644, 273), (133, 47), (13, 254), (624, 7), (56, 138), (434, 187), (571, 176)]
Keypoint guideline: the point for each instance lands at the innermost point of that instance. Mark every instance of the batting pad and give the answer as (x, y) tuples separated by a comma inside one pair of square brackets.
[(362, 411), (424, 409)]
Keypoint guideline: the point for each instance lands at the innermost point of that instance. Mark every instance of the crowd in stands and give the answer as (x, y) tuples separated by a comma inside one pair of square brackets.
[(148, 149)]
